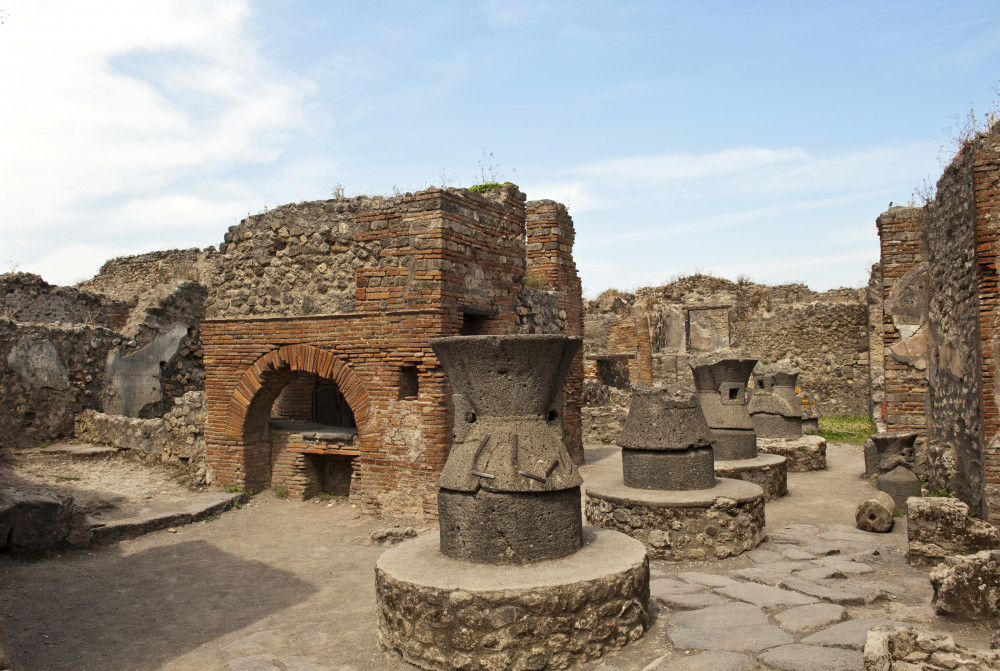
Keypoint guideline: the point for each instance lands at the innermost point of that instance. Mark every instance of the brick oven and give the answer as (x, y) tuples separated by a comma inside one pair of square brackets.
[(319, 375)]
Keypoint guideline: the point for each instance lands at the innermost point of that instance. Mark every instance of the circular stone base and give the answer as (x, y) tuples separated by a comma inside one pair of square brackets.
[(767, 470), (443, 613), (805, 453), (691, 525)]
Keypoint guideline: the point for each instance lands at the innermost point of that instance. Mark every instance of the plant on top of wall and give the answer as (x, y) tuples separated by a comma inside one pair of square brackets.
[(491, 186)]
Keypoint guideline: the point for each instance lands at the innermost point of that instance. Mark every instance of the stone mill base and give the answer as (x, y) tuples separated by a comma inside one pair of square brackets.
[(770, 471), (443, 613), (682, 525), (804, 453)]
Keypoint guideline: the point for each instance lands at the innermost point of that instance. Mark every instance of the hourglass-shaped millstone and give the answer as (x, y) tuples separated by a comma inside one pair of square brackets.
[(666, 443), (774, 406), (509, 491), (721, 387)]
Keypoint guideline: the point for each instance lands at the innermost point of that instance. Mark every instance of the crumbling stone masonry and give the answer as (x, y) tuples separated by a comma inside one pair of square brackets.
[(941, 326), (348, 294), (654, 332)]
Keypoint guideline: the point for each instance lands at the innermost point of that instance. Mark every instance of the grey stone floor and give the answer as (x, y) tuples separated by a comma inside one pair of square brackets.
[(289, 586)]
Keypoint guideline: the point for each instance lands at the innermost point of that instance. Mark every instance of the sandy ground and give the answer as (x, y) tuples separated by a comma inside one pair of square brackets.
[(289, 585)]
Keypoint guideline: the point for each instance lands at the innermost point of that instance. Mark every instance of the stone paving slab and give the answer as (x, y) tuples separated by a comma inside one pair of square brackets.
[(822, 549), (763, 556), (706, 579), (813, 616), (845, 566), (764, 595), (713, 660), (769, 574), (800, 657), (831, 594), (797, 554), (731, 615), (744, 638), (669, 587), (820, 573), (690, 601), (850, 634)]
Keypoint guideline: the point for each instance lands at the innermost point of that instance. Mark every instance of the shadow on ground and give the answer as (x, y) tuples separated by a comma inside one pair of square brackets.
[(142, 609)]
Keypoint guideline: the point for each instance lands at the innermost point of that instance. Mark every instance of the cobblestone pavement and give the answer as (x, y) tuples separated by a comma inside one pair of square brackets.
[(289, 586)]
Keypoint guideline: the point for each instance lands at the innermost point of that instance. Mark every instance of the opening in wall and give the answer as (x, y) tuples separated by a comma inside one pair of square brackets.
[(408, 382), (472, 324)]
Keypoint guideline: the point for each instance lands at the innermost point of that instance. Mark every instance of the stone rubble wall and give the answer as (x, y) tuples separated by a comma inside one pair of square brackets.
[(889, 648), (940, 527), (126, 278), (941, 325), (48, 374), (876, 364), (163, 360), (968, 586), (178, 437), (27, 298), (660, 328)]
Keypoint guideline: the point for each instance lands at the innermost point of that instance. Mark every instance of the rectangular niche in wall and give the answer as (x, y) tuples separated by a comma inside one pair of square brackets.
[(408, 382)]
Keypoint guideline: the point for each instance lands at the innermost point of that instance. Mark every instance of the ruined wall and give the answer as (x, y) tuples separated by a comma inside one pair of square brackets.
[(951, 346), (176, 438), (905, 296), (28, 298), (126, 278), (161, 360), (941, 333), (876, 357), (660, 328), (828, 341), (986, 195), (48, 373), (402, 271), (550, 236)]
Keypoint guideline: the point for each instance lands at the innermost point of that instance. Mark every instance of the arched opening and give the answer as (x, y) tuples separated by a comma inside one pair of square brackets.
[(303, 423)]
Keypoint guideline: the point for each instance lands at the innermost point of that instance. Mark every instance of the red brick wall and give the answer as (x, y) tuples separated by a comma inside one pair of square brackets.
[(986, 185), (902, 245), (442, 254), (296, 400), (550, 236)]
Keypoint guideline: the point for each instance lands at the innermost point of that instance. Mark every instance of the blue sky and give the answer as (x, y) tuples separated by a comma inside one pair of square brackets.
[(755, 138)]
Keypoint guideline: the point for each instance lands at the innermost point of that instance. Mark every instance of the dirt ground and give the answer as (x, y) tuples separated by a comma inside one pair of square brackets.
[(289, 585)]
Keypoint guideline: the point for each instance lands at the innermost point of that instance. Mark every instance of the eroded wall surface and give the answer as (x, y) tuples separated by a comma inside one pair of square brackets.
[(658, 329)]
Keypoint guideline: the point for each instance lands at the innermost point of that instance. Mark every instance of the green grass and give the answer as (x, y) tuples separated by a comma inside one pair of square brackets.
[(280, 491), (846, 429), (65, 478)]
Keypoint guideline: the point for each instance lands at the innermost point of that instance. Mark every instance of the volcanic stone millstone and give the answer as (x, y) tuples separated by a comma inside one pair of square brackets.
[(510, 527), (678, 470)]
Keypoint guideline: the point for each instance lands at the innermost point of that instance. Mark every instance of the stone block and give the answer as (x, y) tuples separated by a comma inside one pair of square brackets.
[(899, 483), (939, 527), (968, 586)]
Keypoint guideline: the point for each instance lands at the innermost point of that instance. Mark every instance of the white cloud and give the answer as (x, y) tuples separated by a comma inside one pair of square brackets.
[(126, 100)]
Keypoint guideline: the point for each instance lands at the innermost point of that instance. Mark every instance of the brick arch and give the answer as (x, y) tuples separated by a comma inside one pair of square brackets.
[(260, 385)]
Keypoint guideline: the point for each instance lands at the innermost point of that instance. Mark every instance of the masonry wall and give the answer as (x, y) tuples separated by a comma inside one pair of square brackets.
[(905, 296), (25, 297), (402, 271), (955, 388), (941, 334), (986, 203), (660, 328), (125, 278), (48, 373)]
